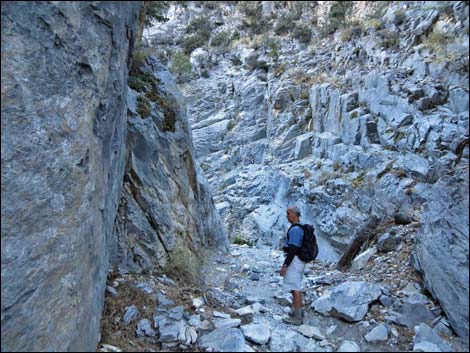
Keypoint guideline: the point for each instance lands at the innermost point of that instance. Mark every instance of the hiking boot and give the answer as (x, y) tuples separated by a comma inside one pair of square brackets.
[(293, 321)]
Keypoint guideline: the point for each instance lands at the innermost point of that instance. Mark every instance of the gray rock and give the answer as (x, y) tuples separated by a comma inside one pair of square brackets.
[(388, 242), (349, 300), (310, 332), (195, 320), (303, 146), (442, 247), (378, 333), (221, 315), (145, 287), (224, 340), (188, 335), (283, 298), (130, 314), (361, 260), (227, 323), (425, 336), (163, 300), (283, 341), (410, 313), (144, 328), (245, 311), (176, 313), (331, 330), (171, 330), (402, 218), (386, 300), (349, 346), (458, 98), (426, 347), (64, 119), (257, 333), (112, 290)]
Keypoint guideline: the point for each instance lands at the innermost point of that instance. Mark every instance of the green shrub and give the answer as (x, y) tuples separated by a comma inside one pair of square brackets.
[(235, 36), (372, 23), (180, 64), (304, 93), (272, 45), (390, 39), (139, 56), (136, 83), (221, 39), (358, 181), (283, 25), (400, 16), (169, 115), (353, 30), (337, 166), (138, 60), (143, 106), (302, 33), (240, 241), (199, 24), (141, 81), (279, 70), (152, 95), (199, 31), (154, 10), (253, 16), (339, 13), (235, 59), (231, 125), (195, 41), (251, 8)]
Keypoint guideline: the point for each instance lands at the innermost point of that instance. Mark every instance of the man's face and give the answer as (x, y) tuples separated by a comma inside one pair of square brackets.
[(291, 216)]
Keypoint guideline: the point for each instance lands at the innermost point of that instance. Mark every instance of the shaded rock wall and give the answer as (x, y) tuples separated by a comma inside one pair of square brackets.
[(64, 84), (167, 216), (443, 247)]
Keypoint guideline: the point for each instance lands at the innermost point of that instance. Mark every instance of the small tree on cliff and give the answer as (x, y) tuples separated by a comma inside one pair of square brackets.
[(150, 10)]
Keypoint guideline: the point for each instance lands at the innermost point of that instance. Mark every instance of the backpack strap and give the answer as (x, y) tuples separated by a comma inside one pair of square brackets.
[(293, 225)]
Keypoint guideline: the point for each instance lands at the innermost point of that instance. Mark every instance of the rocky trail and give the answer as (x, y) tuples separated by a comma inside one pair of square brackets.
[(378, 305)]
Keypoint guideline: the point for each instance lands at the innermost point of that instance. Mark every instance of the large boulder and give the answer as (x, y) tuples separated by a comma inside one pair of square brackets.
[(349, 300)]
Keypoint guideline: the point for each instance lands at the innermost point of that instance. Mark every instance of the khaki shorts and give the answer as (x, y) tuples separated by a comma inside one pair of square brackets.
[(294, 275)]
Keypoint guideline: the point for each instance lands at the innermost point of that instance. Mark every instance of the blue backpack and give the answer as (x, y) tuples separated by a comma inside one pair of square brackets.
[(309, 249)]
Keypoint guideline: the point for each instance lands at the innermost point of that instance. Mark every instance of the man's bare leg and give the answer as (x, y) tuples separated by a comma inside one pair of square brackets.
[(297, 301)]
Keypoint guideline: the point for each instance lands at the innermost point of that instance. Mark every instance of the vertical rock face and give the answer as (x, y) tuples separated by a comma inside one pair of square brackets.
[(64, 84), (167, 218), (443, 247)]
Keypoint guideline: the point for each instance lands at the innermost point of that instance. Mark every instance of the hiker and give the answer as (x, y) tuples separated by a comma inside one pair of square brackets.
[(293, 268)]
